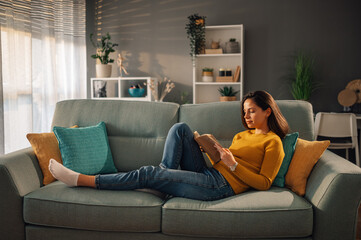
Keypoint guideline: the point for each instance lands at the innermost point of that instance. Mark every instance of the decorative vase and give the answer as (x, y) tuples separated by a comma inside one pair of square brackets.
[(103, 70), (207, 76), (215, 45), (227, 98), (232, 47)]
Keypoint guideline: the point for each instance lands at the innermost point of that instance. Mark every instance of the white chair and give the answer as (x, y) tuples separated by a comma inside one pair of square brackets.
[(338, 125)]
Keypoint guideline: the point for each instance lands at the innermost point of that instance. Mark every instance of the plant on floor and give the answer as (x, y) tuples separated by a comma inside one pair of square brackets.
[(196, 33), (104, 48), (227, 91), (185, 97), (303, 84)]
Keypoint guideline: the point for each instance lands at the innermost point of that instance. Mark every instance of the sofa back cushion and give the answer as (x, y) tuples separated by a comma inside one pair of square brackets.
[(299, 115), (136, 130), (223, 119)]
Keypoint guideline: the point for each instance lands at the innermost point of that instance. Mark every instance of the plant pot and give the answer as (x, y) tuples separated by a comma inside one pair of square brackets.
[(227, 98), (207, 76), (103, 70), (232, 47)]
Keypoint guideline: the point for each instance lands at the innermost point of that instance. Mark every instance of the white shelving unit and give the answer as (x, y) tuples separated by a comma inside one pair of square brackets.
[(117, 88), (208, 91)]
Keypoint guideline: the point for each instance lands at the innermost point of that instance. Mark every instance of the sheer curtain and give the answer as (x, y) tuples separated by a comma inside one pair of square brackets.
[(43, 58)]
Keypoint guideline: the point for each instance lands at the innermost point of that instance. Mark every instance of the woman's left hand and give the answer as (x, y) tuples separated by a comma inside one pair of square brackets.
[(226, 155)]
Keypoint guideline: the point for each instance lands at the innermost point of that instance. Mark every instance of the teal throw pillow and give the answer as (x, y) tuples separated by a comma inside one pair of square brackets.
[(85, 149), (289, 145)]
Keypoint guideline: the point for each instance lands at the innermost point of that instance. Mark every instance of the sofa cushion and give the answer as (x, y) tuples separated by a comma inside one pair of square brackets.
[(299, 115), (222, 119), (226, 118), (84, 208), (45, 146), (86, 150), (306, 155), (289, 145), (130, 125), (275, 213)]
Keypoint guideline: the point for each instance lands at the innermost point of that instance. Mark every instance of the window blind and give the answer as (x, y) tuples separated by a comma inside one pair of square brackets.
[(65, 16)]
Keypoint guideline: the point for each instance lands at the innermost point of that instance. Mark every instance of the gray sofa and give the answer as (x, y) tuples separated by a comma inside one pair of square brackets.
[(137, 132)]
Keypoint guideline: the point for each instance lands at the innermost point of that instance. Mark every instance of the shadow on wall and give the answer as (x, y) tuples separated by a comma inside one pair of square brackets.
[(152, 39)]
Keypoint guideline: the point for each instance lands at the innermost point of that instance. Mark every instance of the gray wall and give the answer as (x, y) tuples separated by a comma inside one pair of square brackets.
[(152, 37)]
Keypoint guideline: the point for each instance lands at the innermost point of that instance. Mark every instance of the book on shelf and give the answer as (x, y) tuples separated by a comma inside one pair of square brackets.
[(206, 142), (236, 74)]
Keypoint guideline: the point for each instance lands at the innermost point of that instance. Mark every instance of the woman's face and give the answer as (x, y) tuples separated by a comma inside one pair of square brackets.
[(255, 116)]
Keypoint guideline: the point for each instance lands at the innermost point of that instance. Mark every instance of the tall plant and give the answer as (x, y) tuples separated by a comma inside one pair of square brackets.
[(196, 33), (104, 48), (302, 81)]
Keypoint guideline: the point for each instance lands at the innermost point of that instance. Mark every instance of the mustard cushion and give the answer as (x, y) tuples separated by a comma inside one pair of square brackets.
[(304, 158), (45, 146)]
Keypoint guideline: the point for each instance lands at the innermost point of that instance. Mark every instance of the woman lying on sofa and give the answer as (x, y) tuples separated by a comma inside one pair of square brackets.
[(252, 161)]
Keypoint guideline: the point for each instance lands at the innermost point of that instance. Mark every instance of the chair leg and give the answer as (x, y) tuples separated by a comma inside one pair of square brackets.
[(357, 155), (347, 153)]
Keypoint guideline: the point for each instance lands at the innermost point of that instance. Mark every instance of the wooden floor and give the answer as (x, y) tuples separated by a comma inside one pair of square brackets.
[(358, 233)]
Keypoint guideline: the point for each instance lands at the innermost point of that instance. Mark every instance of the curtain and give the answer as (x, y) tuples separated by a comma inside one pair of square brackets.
[(43, 59)]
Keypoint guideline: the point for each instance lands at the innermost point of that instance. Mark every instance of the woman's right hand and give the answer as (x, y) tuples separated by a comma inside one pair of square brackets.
[(226, 155)]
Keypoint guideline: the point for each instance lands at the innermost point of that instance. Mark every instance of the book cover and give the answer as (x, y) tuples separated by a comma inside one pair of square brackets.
[(206, 142)]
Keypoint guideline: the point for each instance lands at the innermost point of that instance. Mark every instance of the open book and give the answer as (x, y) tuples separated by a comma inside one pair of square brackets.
[(206, 142)]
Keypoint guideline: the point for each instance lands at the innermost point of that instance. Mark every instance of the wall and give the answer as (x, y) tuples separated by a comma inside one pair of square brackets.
[(152, 37)]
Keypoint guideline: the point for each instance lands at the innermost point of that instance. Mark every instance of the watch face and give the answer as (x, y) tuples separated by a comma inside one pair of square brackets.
[(233, 168)]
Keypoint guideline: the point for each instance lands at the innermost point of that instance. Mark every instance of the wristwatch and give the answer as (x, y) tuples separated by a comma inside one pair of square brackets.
[(233, 168)]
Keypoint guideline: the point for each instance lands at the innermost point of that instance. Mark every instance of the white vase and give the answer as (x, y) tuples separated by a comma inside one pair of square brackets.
[(207, 78), (103, 70)]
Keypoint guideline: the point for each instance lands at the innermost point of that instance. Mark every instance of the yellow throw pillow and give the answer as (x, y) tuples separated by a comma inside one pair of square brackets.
[(304, 158), (45, 146)]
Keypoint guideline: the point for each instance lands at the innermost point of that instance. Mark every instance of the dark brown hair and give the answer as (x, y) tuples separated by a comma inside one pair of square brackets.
[(276, 121)]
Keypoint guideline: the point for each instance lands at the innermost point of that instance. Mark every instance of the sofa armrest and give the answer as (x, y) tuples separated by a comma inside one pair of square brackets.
[(19, 175), (334, 190)]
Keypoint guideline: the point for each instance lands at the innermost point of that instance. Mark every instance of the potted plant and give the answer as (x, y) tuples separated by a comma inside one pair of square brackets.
[(196, 34), (302, 84), (232, 46), (104, 48), (207, 74), (227, 94)]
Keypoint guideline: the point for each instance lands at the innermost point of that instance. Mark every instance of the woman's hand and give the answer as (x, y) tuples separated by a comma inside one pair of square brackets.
[(226, 155)]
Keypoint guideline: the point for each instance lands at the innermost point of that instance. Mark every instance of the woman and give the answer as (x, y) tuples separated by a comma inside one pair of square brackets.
[(252, 161)]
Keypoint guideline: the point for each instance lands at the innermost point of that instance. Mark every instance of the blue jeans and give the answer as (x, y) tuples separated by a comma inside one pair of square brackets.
[(194, 179)]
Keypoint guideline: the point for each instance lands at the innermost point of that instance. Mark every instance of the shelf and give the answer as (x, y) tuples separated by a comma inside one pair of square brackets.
[(135, 98), (208, 91), (217, 83), (117, 88), (106, 98), (224, 27), (221, 55)]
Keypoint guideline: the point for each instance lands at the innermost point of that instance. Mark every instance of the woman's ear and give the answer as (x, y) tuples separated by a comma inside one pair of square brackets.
[(268, 111)]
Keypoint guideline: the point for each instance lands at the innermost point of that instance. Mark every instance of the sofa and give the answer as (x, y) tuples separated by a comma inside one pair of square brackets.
[(136, 133)]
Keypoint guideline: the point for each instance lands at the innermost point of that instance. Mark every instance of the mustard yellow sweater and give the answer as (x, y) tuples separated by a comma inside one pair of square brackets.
[(259, 158)]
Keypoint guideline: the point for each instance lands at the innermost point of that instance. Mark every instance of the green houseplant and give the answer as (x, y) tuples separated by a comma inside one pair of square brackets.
[(227, 94), (196, 33), (302, 82), (104, 48)]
